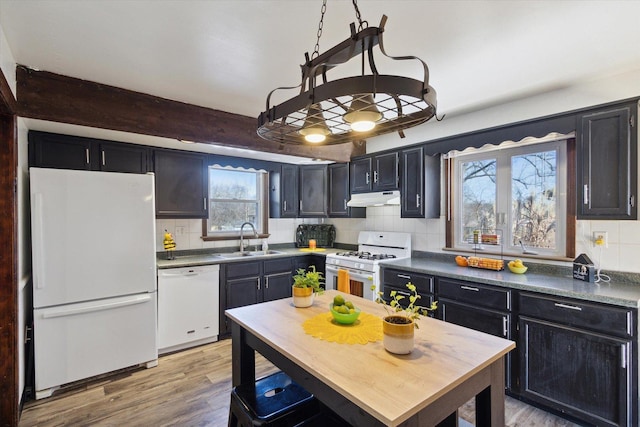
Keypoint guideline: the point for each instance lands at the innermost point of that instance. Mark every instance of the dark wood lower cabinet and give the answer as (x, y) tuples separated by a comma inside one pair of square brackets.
[(246, 283), (584, 374), (492, 322), (277, 286)]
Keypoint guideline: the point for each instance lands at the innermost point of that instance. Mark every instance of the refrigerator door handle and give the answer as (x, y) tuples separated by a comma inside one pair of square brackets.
[(98, 307), (38, 261)]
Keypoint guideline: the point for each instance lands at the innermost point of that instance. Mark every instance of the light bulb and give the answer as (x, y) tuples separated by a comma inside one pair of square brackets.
[(315, 129), (363, 114)]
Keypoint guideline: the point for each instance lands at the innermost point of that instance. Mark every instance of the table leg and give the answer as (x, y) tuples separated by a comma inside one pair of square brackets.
[(243, 357), (490, 401)]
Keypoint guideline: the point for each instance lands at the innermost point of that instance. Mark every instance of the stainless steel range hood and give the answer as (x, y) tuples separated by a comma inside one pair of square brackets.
[(380, 198)]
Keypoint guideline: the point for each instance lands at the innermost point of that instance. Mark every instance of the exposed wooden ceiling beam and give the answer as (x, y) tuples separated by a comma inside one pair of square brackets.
[(54, 97)]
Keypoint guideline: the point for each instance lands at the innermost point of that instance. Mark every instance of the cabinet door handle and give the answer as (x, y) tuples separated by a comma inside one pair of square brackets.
[(469, 288), (375, 176), (103, 158), (266, 282), (585, 195), (86, 154), (504, 326), (300, 205), (366, 175), (204, 203), (404, 276), (345, 204), (623, 356), (417, 200), (570, 307), (285, 206), (258, 283)]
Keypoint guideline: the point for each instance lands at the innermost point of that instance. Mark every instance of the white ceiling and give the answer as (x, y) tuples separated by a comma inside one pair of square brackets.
[(228, 55)]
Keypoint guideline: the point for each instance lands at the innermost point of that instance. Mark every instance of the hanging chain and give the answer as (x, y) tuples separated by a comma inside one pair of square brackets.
[(316, 49), (361, 23)]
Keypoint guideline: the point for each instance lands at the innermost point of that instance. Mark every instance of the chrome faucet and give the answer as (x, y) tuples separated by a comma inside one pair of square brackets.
[(255, 234)]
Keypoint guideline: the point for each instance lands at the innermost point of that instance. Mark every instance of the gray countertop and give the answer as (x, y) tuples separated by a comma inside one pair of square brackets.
[(193, 258), (619, 291), (624, 293)]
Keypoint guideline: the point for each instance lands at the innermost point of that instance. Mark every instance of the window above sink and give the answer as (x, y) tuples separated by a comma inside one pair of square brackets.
[(236, 196)]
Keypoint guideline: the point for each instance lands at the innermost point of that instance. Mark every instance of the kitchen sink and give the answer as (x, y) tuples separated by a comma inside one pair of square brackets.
[(248, 254), (262, 253)]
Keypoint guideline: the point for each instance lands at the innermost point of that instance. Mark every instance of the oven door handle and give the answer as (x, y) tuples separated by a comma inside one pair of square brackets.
[(352, 274)]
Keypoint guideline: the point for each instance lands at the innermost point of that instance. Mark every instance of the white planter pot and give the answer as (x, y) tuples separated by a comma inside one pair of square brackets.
[(397, 338), (302, 297)]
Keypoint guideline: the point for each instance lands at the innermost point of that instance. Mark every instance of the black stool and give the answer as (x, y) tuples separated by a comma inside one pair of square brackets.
[(324, 418), (276, 401)]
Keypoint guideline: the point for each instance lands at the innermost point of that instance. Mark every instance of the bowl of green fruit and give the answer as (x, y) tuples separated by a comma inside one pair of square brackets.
[(343, 311)]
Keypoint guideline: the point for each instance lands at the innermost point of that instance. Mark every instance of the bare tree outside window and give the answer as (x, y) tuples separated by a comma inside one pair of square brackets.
[(518, 193), (234, 199), (478, 197), (533, 186)]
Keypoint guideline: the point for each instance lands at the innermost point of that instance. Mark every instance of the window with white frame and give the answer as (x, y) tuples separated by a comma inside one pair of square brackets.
[(236, 196), (516, 193)]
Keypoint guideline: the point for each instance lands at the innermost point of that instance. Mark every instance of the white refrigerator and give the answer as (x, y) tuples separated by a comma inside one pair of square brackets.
[(94, 274)]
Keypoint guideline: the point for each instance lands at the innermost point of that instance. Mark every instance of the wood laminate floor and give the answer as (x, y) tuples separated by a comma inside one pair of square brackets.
[(189, 388)]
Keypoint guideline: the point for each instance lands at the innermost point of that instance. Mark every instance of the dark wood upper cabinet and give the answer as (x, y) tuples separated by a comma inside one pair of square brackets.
[(313, 191), (361, 175), (385, 172), (375, 173), (49, 150), (181, 184), (289, 191), (420, 184), (608, 163), (339, 193), (412, 188), (117, 157)]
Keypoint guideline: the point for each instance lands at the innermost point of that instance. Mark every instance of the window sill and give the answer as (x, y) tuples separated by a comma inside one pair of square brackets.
[(507, 254), (232, 237)]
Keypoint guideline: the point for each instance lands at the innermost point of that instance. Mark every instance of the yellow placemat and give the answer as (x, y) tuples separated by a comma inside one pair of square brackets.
[(368, 328), (312, 250)]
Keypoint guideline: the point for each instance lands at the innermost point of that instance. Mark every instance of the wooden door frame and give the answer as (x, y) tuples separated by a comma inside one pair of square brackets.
[(9, 363)]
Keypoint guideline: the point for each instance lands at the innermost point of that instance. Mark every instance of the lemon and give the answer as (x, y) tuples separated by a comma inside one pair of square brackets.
[(349, 304), (352, 310), (338, 300), (342, 309)]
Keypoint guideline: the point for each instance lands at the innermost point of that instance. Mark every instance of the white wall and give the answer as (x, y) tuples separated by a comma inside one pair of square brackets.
[(580, 95)]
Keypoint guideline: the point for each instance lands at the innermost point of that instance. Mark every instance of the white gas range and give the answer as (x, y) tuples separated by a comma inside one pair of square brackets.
[(363, 266)]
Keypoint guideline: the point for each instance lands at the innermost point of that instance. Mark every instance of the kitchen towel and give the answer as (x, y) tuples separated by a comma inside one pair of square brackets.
[(343, 281)]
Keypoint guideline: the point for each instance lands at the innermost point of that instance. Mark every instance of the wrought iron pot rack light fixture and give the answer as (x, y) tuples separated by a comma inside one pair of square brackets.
[(353, 108)]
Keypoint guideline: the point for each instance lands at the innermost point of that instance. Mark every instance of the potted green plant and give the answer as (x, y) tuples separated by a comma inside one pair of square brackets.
[(399, 324), (306, 283)]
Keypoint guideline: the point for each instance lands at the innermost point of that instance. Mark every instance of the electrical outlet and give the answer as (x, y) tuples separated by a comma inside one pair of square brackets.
[(600, 238), (179, 230)]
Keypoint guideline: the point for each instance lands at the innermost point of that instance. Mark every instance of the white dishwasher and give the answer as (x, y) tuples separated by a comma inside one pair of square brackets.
[(188, 307)]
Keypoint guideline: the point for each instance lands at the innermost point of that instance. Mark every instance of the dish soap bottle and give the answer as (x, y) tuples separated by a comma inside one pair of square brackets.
[(265, 246)]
